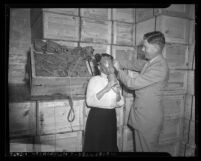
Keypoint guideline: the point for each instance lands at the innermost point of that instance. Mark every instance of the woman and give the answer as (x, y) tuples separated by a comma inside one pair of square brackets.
[(103, 95)]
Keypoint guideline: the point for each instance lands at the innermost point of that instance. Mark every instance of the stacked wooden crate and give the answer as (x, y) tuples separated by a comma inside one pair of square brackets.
[(19, 42)]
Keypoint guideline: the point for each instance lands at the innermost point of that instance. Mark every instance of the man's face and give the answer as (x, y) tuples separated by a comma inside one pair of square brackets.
[(106, 65), (150, 50)]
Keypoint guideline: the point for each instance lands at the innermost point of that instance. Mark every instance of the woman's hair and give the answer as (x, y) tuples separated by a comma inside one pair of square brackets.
[(98, 59), (155, 37)]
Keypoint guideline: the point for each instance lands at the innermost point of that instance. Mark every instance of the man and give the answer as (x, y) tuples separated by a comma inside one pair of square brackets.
[(146, 115)]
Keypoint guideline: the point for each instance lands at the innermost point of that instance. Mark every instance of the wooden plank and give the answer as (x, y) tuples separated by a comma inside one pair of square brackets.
[(189, 132), (96, 31), (187, 150), (192, 11), (61, 27), (123, 34), (177, 82), (22, 118), (96, 13), (174, 10), (191, 82), (25, 144), (171, 131), (98, 48), (171, 148), (173, 105), (128, 142), (123, 14), (176, 30), (53, 116), (143, 14), (176, 55), (191, 56), (66, 11), (37, 28), (127, 108), (119, 116), (120, 138), (192, 32), (189, 107), (144, 27), (34, 15), (67, 142)]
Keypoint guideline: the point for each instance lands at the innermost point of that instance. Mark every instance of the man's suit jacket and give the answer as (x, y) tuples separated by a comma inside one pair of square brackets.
[(147, 111)]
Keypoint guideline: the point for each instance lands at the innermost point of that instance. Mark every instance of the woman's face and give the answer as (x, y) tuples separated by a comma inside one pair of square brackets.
[(106, 65)]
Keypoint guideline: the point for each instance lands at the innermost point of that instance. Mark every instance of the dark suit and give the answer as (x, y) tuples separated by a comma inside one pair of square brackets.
[(146, 115)]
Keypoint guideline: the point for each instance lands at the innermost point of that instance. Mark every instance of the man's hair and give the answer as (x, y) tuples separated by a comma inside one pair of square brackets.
[(155, 37)]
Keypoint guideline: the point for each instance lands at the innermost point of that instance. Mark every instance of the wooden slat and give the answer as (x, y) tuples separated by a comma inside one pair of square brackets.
[(120, 116), (189, 107), (128, 143), (192, 32), (22, 119), (127, 108), (177, 82), (191, 56), (66, 11), (173, 105), (98, 48), (25, 144), (143, 14), (96, 31), (144, 27), (123, 14), (123, 34), (190, 82), (60, 27), (175, 10), (176, 30), (34, 15), (189, 132), (96, 13), (53, 116), (67, 142), (187, 150), (176, 55)]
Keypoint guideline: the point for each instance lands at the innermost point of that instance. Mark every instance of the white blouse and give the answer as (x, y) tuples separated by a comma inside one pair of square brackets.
[(108, 101)]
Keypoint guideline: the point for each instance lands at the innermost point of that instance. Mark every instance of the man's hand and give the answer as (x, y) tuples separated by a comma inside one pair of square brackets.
[(116, 65)]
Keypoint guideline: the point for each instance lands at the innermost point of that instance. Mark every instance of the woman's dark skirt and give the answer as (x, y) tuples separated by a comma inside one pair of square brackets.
[(101, 131)]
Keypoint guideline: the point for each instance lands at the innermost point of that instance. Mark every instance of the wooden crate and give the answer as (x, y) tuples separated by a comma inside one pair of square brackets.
[(66, 142), (189, 132), (176, 55), (175, 10), (57, 116), (176, 30), (25, 144), (96, 13), (190, 107), (128, 142), (144, 27), (22, 119), (143, 14), (123, 34), (42, 86), (97, 31), (191, 82), (123, 14), (171, 148), (177, 82), (173, 105), (127, 108), (56, 26), (172, 130)]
